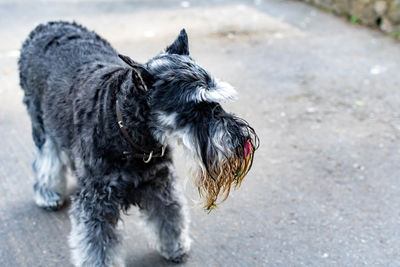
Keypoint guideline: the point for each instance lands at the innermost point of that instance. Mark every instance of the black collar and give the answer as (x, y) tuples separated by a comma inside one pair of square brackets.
[(145, 154)]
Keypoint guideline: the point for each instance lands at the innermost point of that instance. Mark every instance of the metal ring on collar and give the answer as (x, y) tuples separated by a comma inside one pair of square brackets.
[(149, 158), (163, 150)]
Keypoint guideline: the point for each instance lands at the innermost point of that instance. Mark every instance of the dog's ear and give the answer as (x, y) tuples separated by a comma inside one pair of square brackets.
[(143, 75), (180, 46)]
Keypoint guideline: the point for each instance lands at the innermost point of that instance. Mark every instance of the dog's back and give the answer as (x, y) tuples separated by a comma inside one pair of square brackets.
[(51, 60), (59, 48)]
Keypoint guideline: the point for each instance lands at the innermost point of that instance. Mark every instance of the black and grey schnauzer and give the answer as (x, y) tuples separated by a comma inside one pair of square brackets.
[(112, 121)]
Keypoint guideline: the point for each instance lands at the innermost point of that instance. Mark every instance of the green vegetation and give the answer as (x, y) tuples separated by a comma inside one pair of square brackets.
[(355, 19)]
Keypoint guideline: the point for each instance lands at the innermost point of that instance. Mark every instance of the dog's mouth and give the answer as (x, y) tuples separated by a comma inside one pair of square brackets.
[(217, 180)]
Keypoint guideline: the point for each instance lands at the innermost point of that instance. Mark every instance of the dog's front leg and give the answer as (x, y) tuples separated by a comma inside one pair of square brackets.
[(94, 240), (164, 210)]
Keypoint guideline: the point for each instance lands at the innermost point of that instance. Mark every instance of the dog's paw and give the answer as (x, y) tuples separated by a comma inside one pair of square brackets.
[(47, 199), (179, 259)]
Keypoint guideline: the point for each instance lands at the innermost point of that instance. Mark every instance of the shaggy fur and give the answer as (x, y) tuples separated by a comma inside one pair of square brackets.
[(72, 80)]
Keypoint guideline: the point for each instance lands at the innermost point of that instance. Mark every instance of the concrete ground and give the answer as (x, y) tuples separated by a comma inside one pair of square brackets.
[(322, 94)]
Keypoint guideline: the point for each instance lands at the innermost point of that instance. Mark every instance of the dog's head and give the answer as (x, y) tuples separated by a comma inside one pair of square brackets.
[(184, 101)]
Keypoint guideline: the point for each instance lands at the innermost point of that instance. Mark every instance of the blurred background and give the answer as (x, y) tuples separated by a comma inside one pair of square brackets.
[(319, 81)]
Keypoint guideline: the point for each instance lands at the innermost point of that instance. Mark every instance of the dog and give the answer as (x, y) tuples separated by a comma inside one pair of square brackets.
[(113, 122)]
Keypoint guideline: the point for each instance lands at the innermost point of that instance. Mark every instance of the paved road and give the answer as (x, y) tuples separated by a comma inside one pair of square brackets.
[(322, 94)]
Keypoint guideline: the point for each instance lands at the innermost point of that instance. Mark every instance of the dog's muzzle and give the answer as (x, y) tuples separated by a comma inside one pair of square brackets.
[(216, 176)]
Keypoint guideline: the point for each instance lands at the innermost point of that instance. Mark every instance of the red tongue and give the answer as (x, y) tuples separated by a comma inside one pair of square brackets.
[(247, 148)]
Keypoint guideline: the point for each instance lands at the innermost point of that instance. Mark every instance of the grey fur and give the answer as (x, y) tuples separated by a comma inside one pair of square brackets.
[(72, 79), (50, 167)]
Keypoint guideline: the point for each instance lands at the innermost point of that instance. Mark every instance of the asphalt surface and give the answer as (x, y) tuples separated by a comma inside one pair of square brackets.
[(322, 94)]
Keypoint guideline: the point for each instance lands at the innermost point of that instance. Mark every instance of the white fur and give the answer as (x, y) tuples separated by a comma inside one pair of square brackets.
[(50, 169), (184, 137), (220, 92), (167, 123), (180, 136), (168, 120), (80, 254), (191, 147), (75, 240), (219, 138)]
